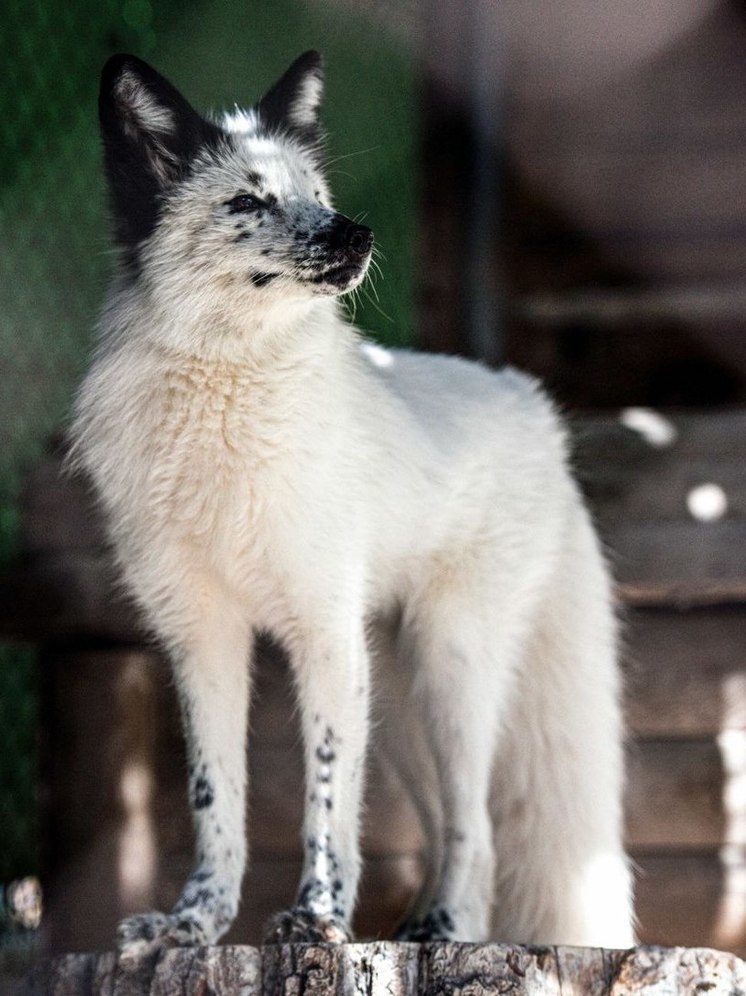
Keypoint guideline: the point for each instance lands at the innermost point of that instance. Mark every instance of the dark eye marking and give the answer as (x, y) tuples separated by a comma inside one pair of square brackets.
[(244, 202)]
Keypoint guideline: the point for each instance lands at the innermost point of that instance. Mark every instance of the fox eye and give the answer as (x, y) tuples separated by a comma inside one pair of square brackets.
[(244, 202)]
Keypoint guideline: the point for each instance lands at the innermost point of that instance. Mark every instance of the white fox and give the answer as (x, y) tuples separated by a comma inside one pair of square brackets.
[(392, 518)]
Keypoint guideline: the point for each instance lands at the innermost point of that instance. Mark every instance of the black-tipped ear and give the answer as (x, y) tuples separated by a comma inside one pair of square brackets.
[(150, 134), (293, 103)]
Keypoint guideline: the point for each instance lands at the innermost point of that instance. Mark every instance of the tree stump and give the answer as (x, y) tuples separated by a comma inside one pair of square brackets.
[(391, 969)]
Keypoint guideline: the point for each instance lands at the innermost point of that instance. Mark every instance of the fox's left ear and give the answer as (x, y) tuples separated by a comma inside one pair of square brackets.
[(293, 103)]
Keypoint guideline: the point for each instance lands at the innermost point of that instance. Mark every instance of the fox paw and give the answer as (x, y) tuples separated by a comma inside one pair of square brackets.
[(146, 934), (438, 925), (300, 925)]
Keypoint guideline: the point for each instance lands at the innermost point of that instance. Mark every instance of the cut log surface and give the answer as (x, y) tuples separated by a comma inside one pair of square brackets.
[(392, 969)]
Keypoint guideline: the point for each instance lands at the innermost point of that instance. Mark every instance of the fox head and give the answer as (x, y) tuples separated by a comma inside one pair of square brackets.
[(235, 211)]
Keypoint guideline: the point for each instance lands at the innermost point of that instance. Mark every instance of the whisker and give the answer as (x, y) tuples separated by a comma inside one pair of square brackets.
[(350, 155), (352, 310), (340, 172), (376, 267), (378, 308), (370, 280)]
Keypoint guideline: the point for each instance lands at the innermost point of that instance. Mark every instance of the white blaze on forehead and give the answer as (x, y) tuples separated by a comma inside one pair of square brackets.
[(240, 121), (287, 171)]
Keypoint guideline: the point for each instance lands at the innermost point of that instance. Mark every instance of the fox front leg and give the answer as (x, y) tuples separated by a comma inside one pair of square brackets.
[(333, 691), (212, 679)]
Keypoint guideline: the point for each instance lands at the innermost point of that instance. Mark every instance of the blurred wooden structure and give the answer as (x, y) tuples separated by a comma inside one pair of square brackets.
[(615, 140), (119, 834)]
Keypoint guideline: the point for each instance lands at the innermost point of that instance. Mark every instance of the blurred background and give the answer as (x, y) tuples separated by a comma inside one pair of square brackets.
[(556, 186)]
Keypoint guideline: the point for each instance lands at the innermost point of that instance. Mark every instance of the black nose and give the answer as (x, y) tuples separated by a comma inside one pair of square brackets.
[(359, 239), (345, 237)]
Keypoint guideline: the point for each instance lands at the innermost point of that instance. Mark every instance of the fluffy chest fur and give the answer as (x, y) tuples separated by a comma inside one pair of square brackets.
[(239, 474)]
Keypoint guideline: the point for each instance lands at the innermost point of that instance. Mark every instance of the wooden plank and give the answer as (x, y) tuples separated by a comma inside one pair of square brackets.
[(65, 595), (675, 796), (692, 899), (697, 434), (640, 493), (647, 472), (679, 563), (59, 512), (685, 671)]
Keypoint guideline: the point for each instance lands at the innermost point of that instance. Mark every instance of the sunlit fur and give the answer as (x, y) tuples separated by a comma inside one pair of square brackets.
[(391, 516)]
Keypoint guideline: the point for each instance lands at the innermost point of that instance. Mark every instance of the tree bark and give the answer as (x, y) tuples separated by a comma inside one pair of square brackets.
[(391, 969)]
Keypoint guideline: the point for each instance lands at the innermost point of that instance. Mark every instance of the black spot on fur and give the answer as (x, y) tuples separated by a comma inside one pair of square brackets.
[(325, 754), (242, 237), (204, 899), (260, 279), (309, 891), (204, 794), (328, 803), (266, 252), (254, 178)]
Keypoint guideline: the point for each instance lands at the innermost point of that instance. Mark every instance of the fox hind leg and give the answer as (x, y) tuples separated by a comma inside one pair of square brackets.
[(562, 875), (463, 680)]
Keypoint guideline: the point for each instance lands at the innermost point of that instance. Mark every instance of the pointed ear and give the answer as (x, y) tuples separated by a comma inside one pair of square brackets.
[(293, 103), (150, 134)]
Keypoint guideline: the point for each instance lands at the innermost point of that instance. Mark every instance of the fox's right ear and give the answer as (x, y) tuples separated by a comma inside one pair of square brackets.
[(150, 134)]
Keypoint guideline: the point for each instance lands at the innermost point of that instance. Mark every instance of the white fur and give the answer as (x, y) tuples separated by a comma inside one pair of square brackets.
[(382, 513)]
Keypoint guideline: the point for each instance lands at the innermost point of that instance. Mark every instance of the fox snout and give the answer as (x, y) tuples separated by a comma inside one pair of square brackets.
[(346, 236), (342, 250)]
